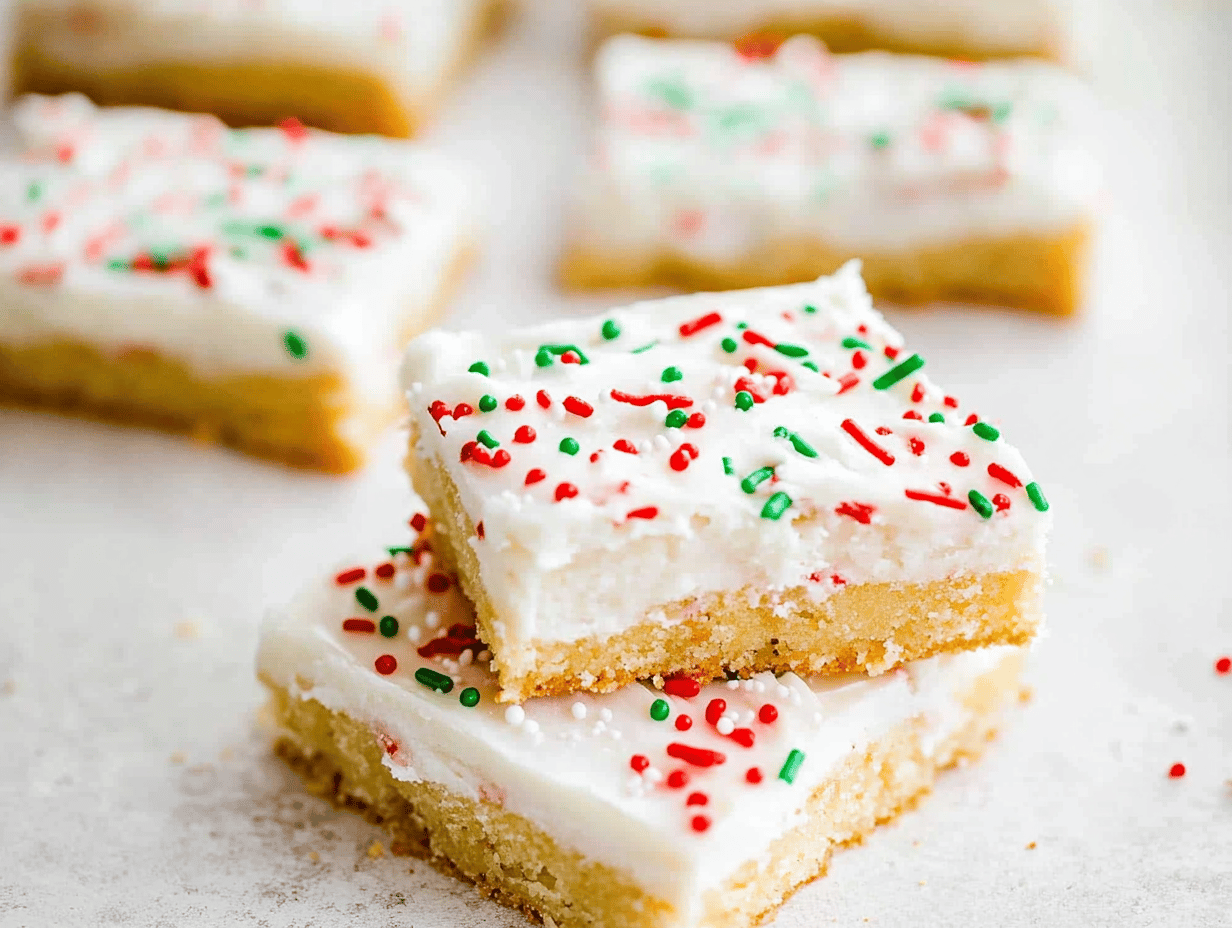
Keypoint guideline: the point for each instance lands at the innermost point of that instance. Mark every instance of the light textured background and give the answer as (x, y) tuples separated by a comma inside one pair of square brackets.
[(135, 788)]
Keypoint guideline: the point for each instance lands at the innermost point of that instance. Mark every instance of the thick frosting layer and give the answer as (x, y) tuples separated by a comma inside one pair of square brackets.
[(993, 24), (710, 151), (621, 778), (411, 44), (256, 250), (758, 439)]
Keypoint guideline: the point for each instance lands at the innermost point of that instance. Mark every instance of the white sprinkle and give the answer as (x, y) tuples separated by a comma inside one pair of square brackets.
[(653, 774), (484, 655), (759, 686), (748, 685), (579, 710), (725, 726), (605, 714), (795, 698), (417, 388), (747, 719), (530, 726), (645, 446), (661, 443), (733, 684), (515, 715), (402, 580), (615, 733), (465, 658), (537, 737), (432, 619), (634, 783), (784, 692), (500, 365), (414, 632), (598, 728)]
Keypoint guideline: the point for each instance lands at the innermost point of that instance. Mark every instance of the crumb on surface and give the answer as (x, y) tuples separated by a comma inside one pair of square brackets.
[(377, 849), (188, 628), (1098, 558), (178, 757), (1031, 846), (9, 687), (314, 857)]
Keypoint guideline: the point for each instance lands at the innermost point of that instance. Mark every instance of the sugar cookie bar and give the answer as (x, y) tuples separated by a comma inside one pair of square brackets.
[(361, 66), (973, 29), (717, 166), (255, 286), (733, 482), (643, 808)]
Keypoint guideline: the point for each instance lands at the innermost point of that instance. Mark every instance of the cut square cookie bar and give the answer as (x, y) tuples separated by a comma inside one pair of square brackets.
[(733, 482), (362, 66), (255, 286), (971, 29), (691, 806), (718, 166)]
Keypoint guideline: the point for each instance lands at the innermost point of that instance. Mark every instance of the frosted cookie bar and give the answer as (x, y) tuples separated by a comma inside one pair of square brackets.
[(358, 66), (972, 29), (643, 808), (716, 166), (733, 482), (255, 286)]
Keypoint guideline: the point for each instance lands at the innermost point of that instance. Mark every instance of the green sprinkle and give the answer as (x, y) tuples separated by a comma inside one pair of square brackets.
[(744, 400), (985, 431), (979, 502), (1001, 112), (676, 419), (850, 342), (269, 231), (388, 626), (479, 367), (216, 199), (543, 358), (469, 697), (810, 308), (610, 330), (671, 374), (660, 710), (776, 506), (295, 345), (879, 140), (750, 483), (936, 417), (365, 598), (791, 766), (729, 345), (674, 93), (117, 264), (790, 350), (802, 446), (34, 191), (568, 445), (811, 366), (646, 347), (742, 325), (433, 680), (898, 372), (396, 551), (487, 402), (485, 438), (1036, 495), (728, 468)]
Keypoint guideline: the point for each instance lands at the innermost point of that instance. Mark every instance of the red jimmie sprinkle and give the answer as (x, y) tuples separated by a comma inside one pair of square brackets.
[(623, 444), (293, 256), (672, 401), (515, 403), (743, 737), (639, 762), (479, 529), (462, 409), (699, 823), (293, 129), (858, 360), (861, 512), (912, 414), (1223, 665), (997, 472), (960, 459), (534, 475), (565, 491), (386, 664), (419, 521), (698, 757), (702, 322), (891, 352), (695, 421), (438, 410), (1176, 771), (682, 456), (678, 779), (697, 799), (682, 686), (683, 722), (756, 338), (543, 399), (570, 357), (579, 407), (867, 443), (917, 393), (758, 45), (9, 235), (451, 645), (753, 775), (354, 575), (916, 446), (1001, 501), (384, 571), (359, 625), (714, 710), (767, 714), (951, 402), (646, 512), (935, 498), (438, 583), (847, 382), (972, 419), (524, 435), (594, 458)]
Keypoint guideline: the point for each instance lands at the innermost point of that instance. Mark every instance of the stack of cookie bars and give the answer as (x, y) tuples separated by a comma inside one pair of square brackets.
[(711, 586)]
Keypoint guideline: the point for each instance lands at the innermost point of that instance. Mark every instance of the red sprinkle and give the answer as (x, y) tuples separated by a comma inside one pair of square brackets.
[(672, 401), (743, 737), (293, 256), (756, 338), (678, 779), (570, 357), (684, 722), (702, 322), (384, 571), (767, 714), (1001, 501), (758, 45), (639, 762), (753, 775), (1223, 665), (846, 382), (972, 419), (698, 757), (912, 414), (467, 452), (566, 491), (951, 402), (997, 472), (700, 823), (543, 399), (891, 352), (858, 360), (419, 521), (479, 529), (438, 583), (354, 575), (462, 409), (682, 456), (916, 446), (646, 512), (438, 410), (9, 234), (697, 799), (623, 444), (939, 500), (293, 129), (359, 625), (594, 457), (867, 443), (578, 407), (715, 709), (917, 393), (1176, 771), (960, 459), (682, 686), (515, 403), (534, 475), (524, 435), (695, 421), (386, 664)]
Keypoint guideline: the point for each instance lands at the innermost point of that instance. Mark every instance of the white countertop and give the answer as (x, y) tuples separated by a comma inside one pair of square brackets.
[(136, 788)]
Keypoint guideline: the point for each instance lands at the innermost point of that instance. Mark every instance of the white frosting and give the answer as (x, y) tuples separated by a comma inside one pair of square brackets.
[(566, 763), (708, 154), (995, 25), (341, 240), (410, 44), (668, 524)]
